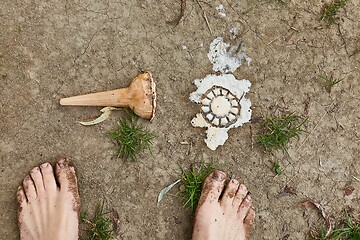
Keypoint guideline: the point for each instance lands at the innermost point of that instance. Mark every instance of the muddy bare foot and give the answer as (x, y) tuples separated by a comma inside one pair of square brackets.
[(47, 210), (226, 218)]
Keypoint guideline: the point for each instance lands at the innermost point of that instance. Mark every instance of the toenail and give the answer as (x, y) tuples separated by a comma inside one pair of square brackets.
[(60, 164), (44, 165), (242, 187), (35, 169), (248, 197), (218, 176), (27, 178), (234, 181)]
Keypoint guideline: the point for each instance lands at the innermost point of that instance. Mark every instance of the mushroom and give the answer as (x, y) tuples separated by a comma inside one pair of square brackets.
[(140, 96)]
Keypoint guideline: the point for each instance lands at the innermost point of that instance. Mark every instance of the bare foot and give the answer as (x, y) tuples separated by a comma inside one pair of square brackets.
[(48, 211), (226, 218)]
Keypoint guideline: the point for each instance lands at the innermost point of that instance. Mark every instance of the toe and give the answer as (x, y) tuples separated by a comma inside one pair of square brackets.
[(66, 177), (249, 221), (212, 187), (48, 177), (64, 173), (240, 195), (21, 198), (38, 180), (29, 188), (230, 192), (244, 207)]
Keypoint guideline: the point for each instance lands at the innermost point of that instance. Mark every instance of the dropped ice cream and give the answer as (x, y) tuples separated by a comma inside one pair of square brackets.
[(222, 97), (223, 106)]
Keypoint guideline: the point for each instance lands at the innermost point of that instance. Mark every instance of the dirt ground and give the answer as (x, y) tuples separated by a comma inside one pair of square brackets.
[(55, 49)]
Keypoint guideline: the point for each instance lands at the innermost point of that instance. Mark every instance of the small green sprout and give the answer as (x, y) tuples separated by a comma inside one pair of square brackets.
[(277, 168), (349, 230), (277, 131), (329, 82), (329, 11), (131, 139), (100, 227), (192, 179)]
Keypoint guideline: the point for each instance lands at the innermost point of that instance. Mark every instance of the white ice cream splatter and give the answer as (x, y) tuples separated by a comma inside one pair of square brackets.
[(224, 59), (221, 14), (183, 47), (220, 7), (221, 11), (234, 31)]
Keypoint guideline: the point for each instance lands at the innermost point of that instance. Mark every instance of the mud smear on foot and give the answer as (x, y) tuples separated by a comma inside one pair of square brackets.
[(20, 200), (67, 166), (249, 222), (216, 177)]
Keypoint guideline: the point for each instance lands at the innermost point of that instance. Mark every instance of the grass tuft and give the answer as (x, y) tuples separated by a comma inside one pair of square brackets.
[(330, 10), (329, 82), (100, 227), (192, 179), (131, 139), (346, 229), (277, 131)]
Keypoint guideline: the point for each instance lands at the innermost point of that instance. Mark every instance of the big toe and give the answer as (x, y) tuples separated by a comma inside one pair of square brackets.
[(212, 187), (65, 173), (66, 176)]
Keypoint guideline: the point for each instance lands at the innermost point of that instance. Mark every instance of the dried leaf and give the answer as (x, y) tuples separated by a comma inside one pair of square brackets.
[(106, 111), (286, 237), (309, 204), (349, 190), (115, 218), (290, 190), (167, 189)]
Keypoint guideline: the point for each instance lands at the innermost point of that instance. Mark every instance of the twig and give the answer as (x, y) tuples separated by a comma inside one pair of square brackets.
[(273, 41), (356, 178), (177, 20), (343, 39), (354, 52), (317, 124), (204, 16), (251, 137)]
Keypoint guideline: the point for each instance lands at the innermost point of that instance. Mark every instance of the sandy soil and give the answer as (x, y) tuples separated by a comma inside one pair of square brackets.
[(54, 49)]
